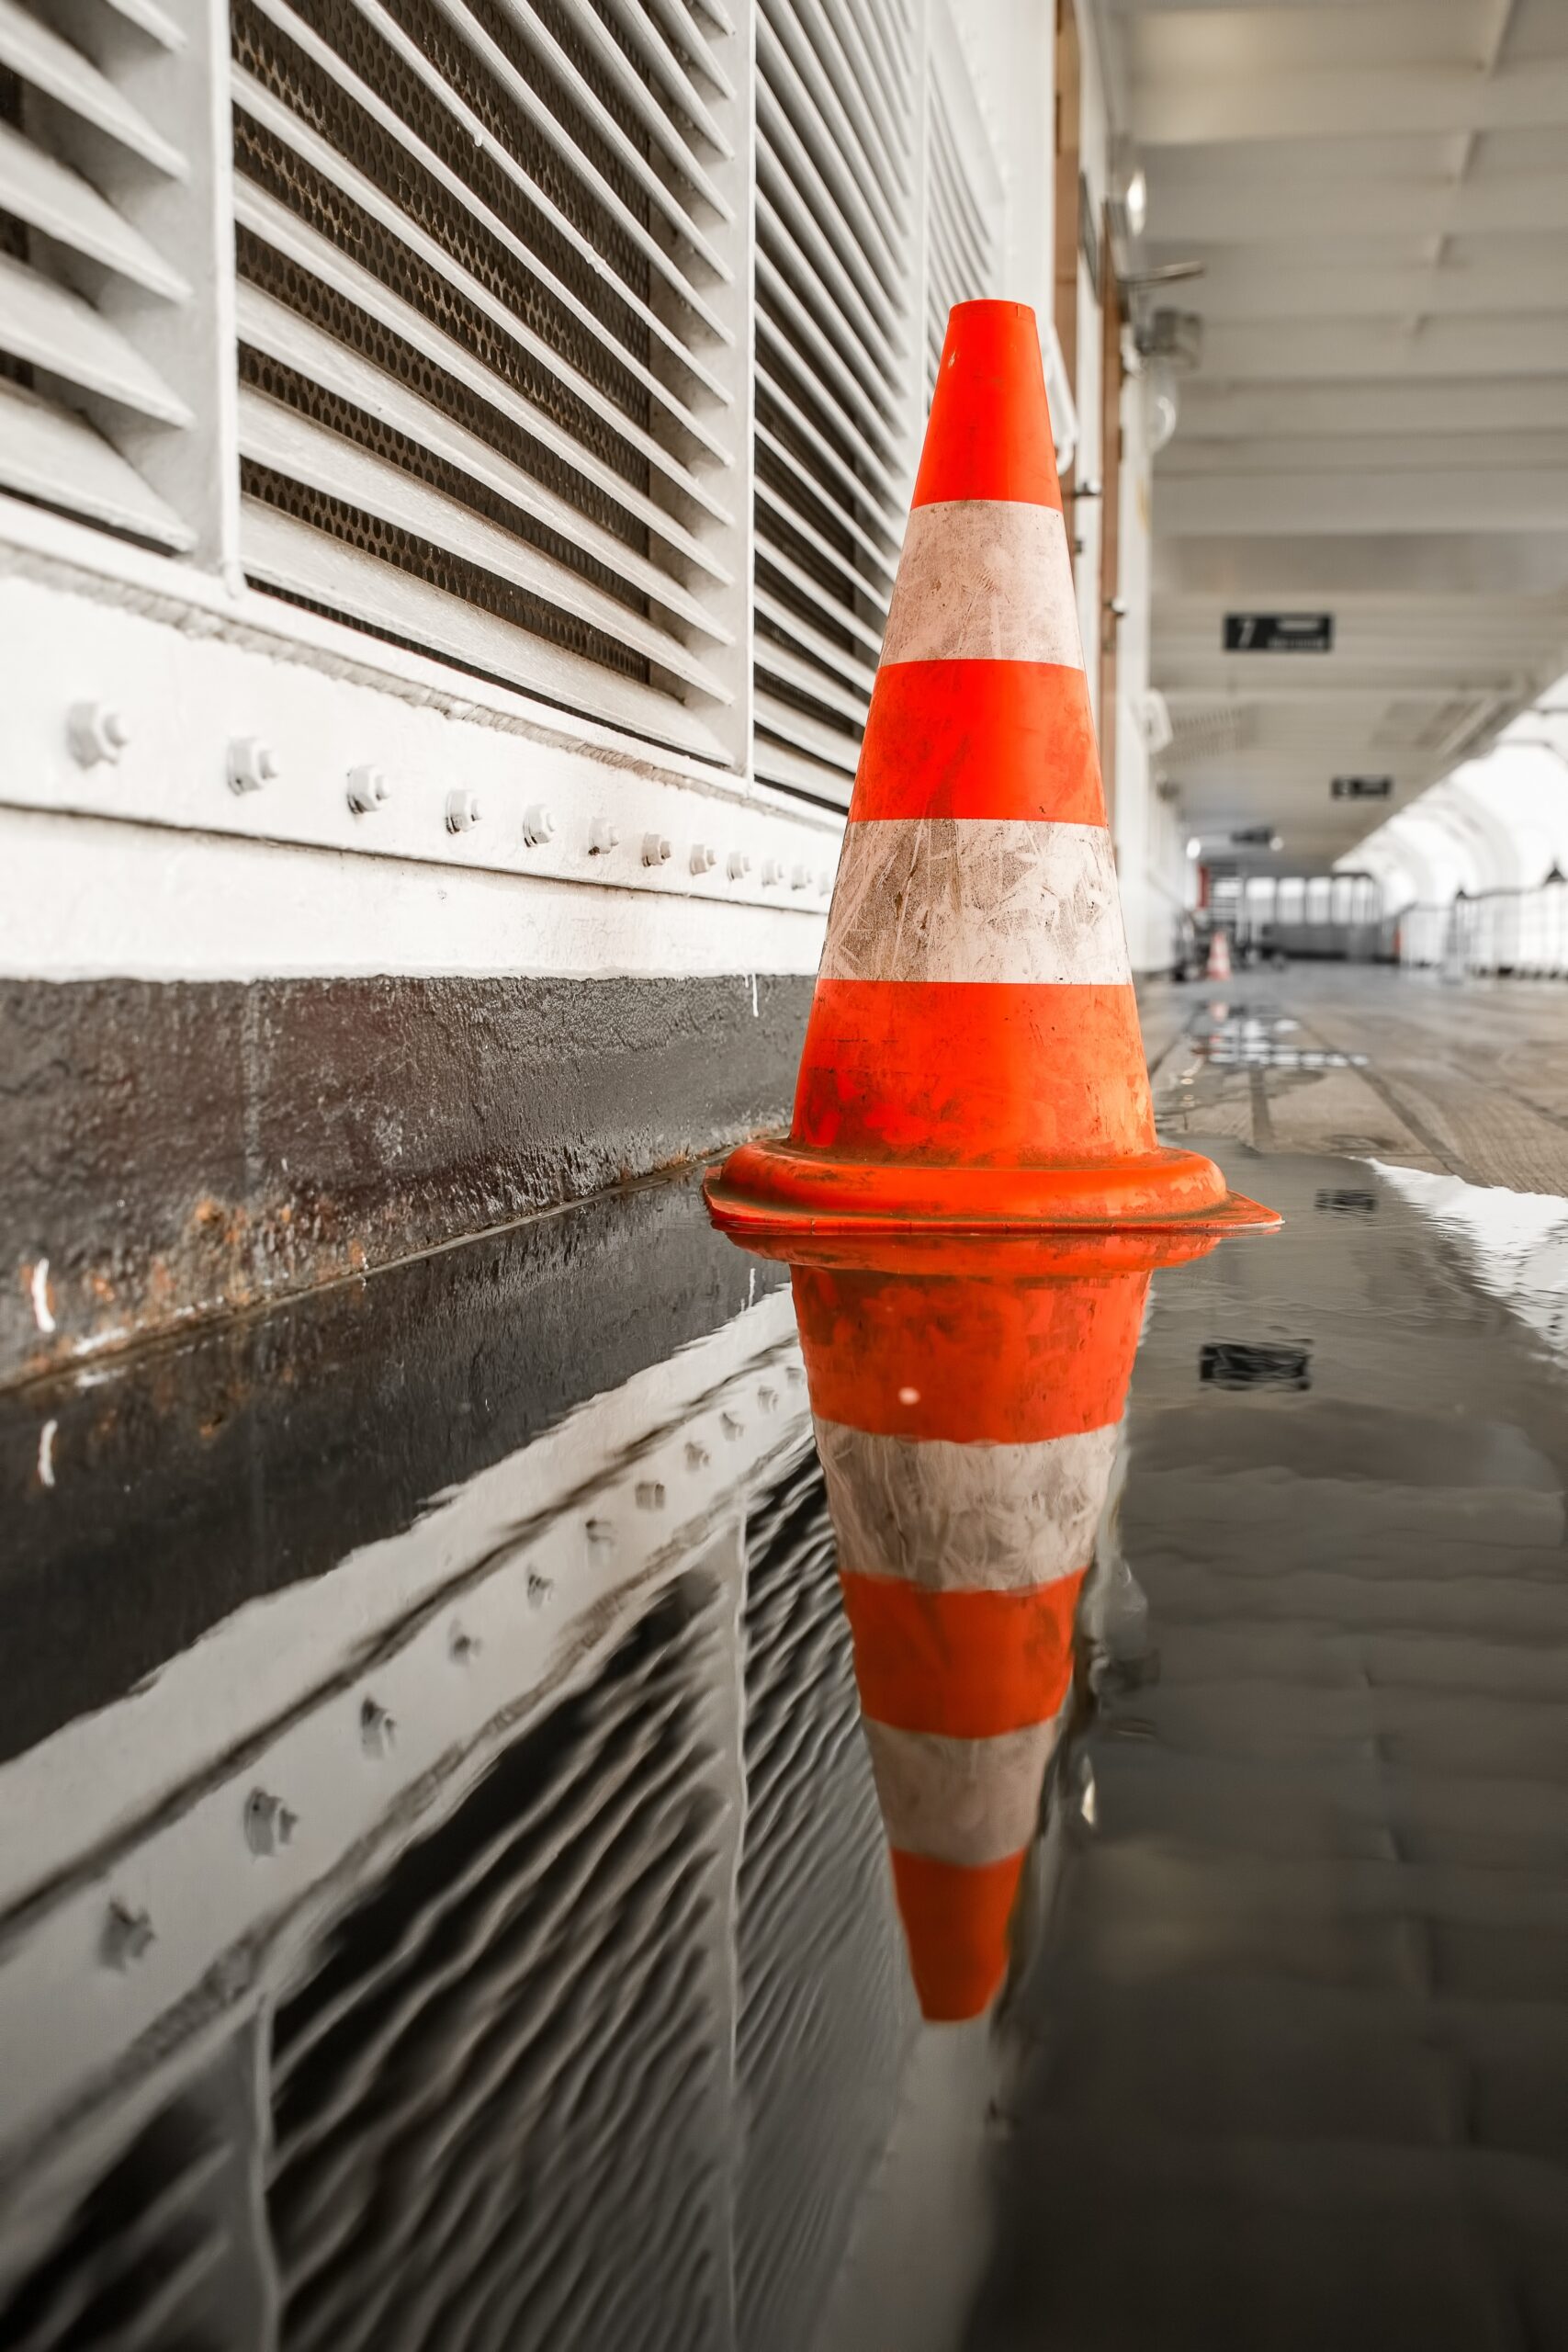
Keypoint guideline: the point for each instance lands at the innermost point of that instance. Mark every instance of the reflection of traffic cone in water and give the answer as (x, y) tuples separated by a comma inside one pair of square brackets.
[(1219, 964), (966, 1415), (973, 1061)]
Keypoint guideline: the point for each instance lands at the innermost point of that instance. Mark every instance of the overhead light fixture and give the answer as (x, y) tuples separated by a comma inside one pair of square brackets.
[(1194, 847), (1137, 202)]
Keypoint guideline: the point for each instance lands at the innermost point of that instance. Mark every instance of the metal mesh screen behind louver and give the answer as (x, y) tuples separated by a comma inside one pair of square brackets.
[(485, 367), (835, 81)]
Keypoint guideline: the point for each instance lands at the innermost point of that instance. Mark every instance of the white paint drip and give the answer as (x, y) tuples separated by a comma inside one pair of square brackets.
[(45, 1436), (43, 1313)]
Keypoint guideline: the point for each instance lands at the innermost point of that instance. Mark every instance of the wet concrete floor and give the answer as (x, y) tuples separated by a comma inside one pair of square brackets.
[(446, 1895)]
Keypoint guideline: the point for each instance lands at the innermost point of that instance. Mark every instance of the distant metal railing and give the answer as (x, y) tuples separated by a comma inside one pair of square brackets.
[(1509, 933)]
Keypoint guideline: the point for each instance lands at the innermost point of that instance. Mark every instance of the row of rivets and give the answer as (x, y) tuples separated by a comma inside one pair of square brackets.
[(269, 1824), (98, 734)]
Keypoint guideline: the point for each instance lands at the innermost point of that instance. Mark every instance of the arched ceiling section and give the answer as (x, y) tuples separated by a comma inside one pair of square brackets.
[(1499, 822), (1378, 423)]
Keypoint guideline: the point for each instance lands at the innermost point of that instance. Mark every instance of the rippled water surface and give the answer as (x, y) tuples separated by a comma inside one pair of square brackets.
[(474, 1872)]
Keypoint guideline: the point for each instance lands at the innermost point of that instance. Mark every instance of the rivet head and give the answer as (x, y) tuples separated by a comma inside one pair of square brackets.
[(655, 849), (732, 1425), (539, 824), (367, 789), (800, 878), (768, 1399), (824, 881), (602, 837), (539, 1588), (126, 1936), (705, 857), (737, 866), (697, 1456), (601, 1534), (270, 1824), (772, 873), (462, 810), (95, 733), (252, 763), (649, 1494), (378, 1730), (463, 1647)]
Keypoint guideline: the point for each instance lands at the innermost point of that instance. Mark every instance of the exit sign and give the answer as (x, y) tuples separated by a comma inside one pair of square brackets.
[(1362, 788), (1279, 633)]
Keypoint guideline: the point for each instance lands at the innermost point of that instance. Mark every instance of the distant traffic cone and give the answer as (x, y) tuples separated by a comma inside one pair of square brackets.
[(972, 1059), (1219, 965), (967, 1407)]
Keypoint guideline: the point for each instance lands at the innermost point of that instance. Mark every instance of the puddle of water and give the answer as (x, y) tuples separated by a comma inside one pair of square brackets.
[(1222, 1037), (474, 1869)]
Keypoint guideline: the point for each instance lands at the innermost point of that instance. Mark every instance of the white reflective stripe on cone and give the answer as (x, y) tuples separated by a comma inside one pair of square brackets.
[(966, 1800), (984, 579), (985, 898), (966, 1518)]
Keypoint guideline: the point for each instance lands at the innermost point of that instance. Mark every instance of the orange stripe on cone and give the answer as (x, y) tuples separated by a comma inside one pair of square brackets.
[(896, 1070), (966, 1665), (989, 431), (980, 739), (956, 1927), (974, 1061), (977, 1361)]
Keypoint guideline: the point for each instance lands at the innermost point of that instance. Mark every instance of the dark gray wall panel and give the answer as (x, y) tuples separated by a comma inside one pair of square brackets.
[(184, 1148)]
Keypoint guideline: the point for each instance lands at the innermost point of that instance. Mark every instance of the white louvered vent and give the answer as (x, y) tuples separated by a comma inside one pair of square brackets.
[(492, 258), (960, 250), (836, 81), (92, 177)]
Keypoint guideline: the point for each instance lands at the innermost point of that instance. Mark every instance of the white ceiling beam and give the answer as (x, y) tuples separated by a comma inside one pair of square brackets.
[(1189, 458), (1272, 286), (1300, 411), (1195, 105), (1282, 351), (1283, 206), (1263, 505), (1516, 565)]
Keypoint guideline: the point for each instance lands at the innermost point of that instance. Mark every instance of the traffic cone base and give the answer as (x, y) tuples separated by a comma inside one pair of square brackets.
[(973, 1062), (783, 1187)]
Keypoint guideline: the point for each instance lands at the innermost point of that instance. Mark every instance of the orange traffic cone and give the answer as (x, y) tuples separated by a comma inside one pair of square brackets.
[(1219, 964), (966, 1402), (972, 1059)]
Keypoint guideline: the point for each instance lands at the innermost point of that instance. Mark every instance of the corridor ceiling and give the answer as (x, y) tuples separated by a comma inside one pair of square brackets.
[(1378, 424)]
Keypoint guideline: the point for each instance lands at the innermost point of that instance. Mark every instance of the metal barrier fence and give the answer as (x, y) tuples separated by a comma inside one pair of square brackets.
[(1331, 915), (1509, 933)]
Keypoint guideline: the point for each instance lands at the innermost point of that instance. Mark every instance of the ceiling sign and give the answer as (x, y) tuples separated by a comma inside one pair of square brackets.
[(1362, 788), (1279, 633)]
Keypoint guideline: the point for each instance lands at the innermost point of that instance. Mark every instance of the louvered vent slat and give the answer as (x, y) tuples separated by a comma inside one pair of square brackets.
[(509, 231), (499, 2091), (834, 314), (826, 2009), (960, 245), (87, 288)]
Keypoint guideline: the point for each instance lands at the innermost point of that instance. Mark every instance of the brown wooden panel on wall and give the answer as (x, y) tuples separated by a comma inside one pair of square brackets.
[(1067, 200), (1110, 381)]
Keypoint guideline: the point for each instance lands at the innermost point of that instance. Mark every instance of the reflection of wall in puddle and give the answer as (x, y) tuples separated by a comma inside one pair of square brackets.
[(477, 2000)]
